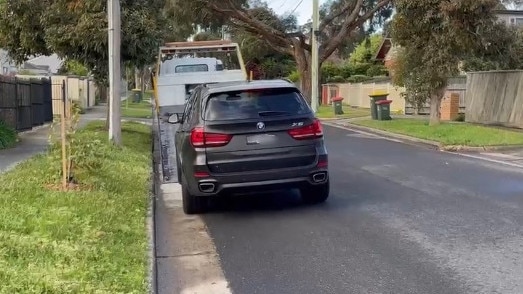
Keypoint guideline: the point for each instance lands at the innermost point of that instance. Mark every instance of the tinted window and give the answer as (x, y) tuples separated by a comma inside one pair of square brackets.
[(253, 104)]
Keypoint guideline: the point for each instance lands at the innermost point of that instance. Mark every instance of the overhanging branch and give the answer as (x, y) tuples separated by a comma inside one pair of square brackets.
[(352, 21), (275, 38)]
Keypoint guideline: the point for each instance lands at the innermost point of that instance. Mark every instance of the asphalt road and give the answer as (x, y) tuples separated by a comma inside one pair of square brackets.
[(401, 219)]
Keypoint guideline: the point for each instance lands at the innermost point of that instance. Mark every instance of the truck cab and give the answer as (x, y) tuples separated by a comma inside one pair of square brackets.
[(181, 66)]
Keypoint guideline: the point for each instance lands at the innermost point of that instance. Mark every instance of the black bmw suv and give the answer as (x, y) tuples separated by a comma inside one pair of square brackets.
[(249, 136)]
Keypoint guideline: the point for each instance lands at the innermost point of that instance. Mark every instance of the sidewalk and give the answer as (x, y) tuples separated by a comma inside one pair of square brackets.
[(36, 141)]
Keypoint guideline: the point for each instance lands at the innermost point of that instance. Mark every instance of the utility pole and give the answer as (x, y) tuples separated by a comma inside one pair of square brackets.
[(314, 57), (115, 74)]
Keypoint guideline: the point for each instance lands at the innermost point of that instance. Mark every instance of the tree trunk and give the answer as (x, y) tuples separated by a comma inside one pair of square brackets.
[(435, 105), (303, 65)]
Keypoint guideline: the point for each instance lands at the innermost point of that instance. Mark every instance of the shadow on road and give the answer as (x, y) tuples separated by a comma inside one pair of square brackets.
[(263, 202)]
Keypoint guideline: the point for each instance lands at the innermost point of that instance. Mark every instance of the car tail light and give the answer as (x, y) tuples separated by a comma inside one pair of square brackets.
[(202, 139), (201, 174), (312, 131)]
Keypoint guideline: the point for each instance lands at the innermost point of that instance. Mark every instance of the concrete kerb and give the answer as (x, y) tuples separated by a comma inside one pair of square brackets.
[(151, 211), (435, 144)]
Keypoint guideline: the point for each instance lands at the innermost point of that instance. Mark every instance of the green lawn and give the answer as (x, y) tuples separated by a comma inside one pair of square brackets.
[(327, 111), (88, 241), (448, 133), (137, 110)]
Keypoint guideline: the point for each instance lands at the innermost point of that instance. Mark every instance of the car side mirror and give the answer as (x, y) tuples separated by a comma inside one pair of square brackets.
[(174, 119)]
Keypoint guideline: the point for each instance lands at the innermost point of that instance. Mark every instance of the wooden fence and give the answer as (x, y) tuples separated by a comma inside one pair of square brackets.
[(25, 103), (495, 97), (456, 85)]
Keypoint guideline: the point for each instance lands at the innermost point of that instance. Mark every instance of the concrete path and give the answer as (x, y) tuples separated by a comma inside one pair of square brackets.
[(37, 140)]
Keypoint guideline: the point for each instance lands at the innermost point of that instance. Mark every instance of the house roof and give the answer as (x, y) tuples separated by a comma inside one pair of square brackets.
[(384, 48), (29, 65), (53, 62), (510, 12)]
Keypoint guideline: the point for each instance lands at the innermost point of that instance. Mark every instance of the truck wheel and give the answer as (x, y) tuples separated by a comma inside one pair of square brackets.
[(315, 193)]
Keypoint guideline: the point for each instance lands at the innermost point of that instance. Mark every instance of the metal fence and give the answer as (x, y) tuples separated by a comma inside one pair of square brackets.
[(25, 103)]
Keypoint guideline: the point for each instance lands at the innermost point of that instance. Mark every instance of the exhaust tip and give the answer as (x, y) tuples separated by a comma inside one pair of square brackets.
[(319, 177), (207, 187)]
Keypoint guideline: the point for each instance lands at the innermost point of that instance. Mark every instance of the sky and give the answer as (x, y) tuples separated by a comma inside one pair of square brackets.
[(302, 8)]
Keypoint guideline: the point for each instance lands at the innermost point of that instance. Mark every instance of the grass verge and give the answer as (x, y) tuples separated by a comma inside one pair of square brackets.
[(137, 110), (460, 134), (327, 111), (7, 136), (87, 241)]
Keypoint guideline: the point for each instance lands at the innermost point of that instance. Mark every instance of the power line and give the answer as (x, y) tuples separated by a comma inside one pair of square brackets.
[(294, 10)]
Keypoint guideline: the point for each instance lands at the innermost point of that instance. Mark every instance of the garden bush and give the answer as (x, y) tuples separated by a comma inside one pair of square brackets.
[(7, 136)]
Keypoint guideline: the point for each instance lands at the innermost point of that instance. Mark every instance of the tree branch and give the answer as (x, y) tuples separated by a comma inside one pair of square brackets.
[(275, 38), (332, 16), (352, 21)]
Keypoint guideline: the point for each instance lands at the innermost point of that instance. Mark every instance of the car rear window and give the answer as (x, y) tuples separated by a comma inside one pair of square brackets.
[(253, 104)]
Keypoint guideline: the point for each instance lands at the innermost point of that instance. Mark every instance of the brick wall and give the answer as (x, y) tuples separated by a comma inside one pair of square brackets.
[(450, 107)]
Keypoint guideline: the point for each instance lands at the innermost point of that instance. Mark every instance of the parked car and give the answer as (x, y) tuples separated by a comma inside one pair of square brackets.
[(249, 136)]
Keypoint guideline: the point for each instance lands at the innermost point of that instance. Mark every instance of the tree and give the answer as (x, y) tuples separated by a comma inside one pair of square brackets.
[(436, 36), (365, 51), (73, 67), (77, 30), (342, 20)]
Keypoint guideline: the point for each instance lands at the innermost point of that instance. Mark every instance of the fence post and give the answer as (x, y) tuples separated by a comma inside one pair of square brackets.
[(64, 142)]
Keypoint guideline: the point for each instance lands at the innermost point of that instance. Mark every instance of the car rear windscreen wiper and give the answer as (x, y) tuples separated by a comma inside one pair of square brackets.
[(271, 113)]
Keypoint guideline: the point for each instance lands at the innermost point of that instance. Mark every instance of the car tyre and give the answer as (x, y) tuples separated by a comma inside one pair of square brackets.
[(315, 193), (192, 204)]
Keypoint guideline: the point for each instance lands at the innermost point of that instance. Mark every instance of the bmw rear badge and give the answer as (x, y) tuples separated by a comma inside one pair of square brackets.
[(260, 126)]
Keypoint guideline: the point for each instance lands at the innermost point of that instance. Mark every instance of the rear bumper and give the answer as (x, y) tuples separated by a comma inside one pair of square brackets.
[(257, 182)]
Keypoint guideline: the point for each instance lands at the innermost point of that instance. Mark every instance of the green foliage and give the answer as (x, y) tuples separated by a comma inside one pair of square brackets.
[(352, 73), (294, 76), (504, 50), (78, 31), (433, 48), (366, 50), (377, 70), (207, 36), (331, 70), (278, 66), (73, 67), (8, 136), (336, 79), (358, 79)]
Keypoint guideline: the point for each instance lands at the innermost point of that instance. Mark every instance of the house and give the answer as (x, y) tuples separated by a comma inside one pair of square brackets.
[(385, 54), (53, 62), (511, 17), (31, 69), (7, 65)]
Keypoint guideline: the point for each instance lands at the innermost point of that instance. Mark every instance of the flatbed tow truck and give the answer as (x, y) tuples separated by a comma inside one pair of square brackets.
[(181, 66)]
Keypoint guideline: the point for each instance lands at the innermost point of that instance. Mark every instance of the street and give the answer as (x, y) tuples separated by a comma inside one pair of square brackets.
[(401, 219)]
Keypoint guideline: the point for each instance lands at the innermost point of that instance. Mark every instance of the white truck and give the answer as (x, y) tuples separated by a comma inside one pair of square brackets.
[(181, 66)]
